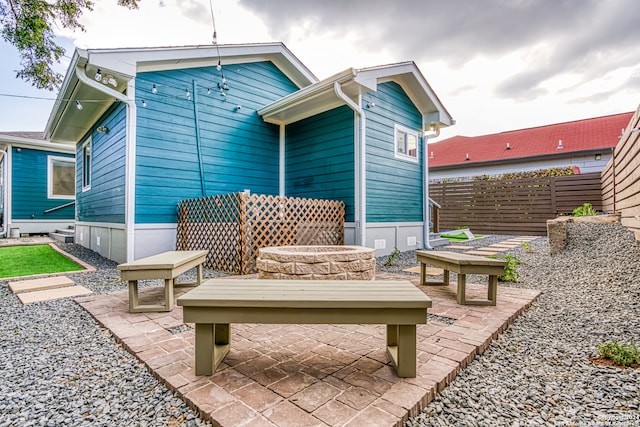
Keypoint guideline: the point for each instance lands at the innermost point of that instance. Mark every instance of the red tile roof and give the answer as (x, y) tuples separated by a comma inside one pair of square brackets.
[(580, 135)]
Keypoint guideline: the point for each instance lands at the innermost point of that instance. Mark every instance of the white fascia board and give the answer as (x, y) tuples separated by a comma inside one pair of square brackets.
[(35, 144), (128, 62), (303, 95), (68, 86), (370, 77), (409, 76)]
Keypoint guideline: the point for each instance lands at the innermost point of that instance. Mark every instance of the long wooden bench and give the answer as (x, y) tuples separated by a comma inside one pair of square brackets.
[(463, 264), (217, 303), (167, 266)]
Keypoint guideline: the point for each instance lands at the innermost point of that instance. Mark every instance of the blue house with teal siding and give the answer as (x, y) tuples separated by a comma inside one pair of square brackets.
[(154, 126), (37, 192)]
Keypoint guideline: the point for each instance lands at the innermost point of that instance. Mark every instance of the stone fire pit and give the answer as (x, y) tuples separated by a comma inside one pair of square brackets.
[(317, 262)]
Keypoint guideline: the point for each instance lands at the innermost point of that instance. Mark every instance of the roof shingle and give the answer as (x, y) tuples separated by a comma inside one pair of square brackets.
[(580, 135)]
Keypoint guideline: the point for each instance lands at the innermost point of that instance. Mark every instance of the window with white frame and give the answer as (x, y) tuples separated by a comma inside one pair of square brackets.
[(61, 178), (406, 143), (86, 165)]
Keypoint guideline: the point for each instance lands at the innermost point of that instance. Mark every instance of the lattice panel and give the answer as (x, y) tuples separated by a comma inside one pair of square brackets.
[(233, 227), (212, 223), (285, 221)]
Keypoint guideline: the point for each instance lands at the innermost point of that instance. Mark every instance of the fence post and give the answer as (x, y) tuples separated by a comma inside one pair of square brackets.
[(554, 206)]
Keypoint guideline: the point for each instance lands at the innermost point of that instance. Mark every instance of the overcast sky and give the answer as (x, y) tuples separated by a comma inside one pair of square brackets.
[(496, 65)]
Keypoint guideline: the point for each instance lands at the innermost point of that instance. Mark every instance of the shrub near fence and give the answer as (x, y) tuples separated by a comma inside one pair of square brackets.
[(513, 205), (232, 227)]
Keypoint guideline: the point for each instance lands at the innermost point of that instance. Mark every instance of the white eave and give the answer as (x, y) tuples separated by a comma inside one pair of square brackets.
[(67, 124), (321, 96), (34, 144)]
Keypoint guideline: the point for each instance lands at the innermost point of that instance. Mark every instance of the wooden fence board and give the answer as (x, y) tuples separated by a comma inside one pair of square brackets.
[(513, 206)]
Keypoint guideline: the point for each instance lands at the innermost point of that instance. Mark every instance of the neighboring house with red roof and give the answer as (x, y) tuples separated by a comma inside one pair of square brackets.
[(583, 144)]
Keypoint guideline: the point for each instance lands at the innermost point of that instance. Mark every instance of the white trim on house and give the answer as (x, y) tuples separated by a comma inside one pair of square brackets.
[(400, 129), (86, 171), (50, 161)]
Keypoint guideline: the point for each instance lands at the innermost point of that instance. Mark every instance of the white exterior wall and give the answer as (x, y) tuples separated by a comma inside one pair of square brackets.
[(587, 164)]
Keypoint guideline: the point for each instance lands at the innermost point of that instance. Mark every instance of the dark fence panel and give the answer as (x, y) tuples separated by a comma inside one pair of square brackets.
[(513, 206)]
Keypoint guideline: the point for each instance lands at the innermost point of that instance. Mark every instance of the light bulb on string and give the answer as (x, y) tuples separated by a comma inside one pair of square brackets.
[(208, 91), (98, 75), (144, 104), (154, 89), (188, 94), (78, 105), (219, 66)]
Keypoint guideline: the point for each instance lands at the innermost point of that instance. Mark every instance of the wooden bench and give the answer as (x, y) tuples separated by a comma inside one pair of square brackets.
[(217, 303), (463, 264), (167, 266)]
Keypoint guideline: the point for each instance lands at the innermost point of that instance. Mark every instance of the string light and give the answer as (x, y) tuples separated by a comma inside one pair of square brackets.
[(144, 104), (98, 75), (154, 89), (219, 66), (188, 94), (78, 105)]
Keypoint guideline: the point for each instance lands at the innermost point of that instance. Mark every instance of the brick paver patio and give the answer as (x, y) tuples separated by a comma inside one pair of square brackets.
[(311, 375)]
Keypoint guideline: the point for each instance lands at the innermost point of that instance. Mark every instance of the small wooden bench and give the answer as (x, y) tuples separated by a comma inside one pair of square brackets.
[(463, 264), (167, 266), (217, 303)]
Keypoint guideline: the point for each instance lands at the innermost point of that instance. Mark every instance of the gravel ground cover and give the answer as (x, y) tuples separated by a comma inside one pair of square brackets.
[(60, 368), (538, 373)]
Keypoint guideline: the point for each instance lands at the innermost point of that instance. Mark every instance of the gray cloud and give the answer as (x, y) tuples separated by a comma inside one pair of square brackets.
[(586, 37)]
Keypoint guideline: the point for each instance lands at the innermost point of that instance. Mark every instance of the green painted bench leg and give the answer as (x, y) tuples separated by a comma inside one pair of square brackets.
[(462, 289), (168, 294), (212, 343), (493, 289), (401, 348)]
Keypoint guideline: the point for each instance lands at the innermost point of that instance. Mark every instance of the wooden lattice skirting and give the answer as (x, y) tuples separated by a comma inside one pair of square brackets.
[(232, 227)]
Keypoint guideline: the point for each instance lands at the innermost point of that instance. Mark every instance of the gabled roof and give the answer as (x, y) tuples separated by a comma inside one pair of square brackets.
[(66, 125), (321, 96), (580, 136)]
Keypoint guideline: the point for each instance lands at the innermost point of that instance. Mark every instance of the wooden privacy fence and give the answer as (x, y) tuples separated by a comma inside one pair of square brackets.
[(232, 227), (513, 206), (621, 177)]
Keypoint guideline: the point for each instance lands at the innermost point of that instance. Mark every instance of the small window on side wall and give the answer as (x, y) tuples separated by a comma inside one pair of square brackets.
[(61, 182), (86, 165), (406, 143)]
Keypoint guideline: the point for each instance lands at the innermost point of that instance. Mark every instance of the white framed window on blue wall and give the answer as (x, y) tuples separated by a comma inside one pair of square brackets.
[(406, 143), (86, 165), (61, 177)]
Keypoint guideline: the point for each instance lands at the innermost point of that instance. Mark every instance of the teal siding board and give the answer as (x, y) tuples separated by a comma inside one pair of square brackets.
[(239, 150), (105, 200), (394, 186), (319, 158), (29, 186)]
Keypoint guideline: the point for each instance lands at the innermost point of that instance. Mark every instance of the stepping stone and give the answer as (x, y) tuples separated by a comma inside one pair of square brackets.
[(52, 294), (498, 248), (505, 245), (458, 247), (483, 253), (431, 271), (40, 284)]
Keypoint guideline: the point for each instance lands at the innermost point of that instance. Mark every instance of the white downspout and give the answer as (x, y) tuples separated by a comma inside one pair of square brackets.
[(130, 196), (5, 192), (281, 166), (425, 188), (361, 221)]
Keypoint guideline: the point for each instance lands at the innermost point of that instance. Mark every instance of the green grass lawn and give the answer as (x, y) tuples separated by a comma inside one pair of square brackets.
[(33, 259)]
